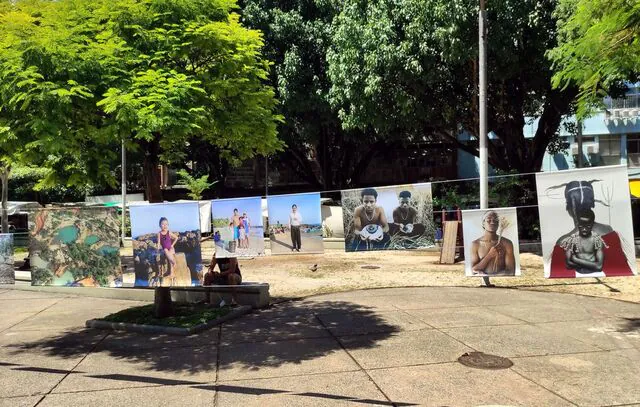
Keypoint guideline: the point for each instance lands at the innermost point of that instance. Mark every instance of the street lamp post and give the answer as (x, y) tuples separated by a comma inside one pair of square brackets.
[(482, 93), (482, 133), (124, 190)]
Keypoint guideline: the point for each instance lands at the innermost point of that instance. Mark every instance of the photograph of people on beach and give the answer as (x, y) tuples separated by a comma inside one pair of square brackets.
[(295, 223), (238, 230), (166, 244)]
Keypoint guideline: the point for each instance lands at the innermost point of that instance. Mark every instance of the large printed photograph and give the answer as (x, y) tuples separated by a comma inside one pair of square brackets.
[(585, 223), (295, 223), (491, 242), (388, 218), (166, 244), (7, 272), (75, 247), (238, 230)]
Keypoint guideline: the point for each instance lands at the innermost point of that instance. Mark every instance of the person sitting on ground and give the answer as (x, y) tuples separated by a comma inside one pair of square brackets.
[(166, 243), (229, 274), (404, 218), (370, 222)]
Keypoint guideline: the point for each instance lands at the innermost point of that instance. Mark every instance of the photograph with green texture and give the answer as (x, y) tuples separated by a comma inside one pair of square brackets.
[(7, 273), (75, 247)]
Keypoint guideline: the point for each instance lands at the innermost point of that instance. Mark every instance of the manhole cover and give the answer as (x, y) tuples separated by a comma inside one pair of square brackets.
[(481, 360), (370, 267)]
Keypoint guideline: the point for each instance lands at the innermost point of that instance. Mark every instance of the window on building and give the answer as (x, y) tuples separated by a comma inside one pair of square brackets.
[(633, 144), (633, 150), (609, 150)]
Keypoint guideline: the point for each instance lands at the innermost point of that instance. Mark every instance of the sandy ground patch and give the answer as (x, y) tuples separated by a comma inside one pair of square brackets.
[(291, 276), (310, 243), (337, 271)]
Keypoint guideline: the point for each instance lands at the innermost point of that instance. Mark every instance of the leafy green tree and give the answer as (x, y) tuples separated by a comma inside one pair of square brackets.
[(8, 153), (408, 69), (599, 48), (26, 184), (196, 186), (157, 74), (195, 72), (46, 105), (298, 35)]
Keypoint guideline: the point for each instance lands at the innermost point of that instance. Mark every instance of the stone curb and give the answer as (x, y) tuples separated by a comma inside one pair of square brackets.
[(169, 330)]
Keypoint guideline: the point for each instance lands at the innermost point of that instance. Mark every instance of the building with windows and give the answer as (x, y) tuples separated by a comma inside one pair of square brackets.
[(610, 137)]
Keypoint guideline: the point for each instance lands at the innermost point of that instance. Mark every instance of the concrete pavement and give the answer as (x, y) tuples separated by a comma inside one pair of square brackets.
[(375, 347)]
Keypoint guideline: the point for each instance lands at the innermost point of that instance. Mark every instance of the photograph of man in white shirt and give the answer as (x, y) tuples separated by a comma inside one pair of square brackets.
[(295, 221)]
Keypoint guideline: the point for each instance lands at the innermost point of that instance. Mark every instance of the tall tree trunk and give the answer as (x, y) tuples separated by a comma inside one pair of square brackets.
[(364, 161), (558, 103), (163, 306), (298, 162), (151, 175), (5, 198)]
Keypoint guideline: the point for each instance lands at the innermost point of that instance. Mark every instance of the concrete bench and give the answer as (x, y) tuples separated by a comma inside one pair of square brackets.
[(248, 293)]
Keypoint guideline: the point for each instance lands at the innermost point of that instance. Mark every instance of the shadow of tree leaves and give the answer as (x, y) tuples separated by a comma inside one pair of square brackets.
[(286, 333)]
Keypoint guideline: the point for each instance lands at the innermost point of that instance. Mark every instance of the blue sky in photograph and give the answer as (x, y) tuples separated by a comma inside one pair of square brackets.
[(223, 208), (181, 216), (308, 206)]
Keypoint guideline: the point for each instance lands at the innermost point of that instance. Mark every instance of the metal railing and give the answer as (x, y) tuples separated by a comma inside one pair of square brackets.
[(627, 102)]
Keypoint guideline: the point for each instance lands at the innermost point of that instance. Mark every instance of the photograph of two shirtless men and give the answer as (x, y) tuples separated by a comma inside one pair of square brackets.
[(389, 218)]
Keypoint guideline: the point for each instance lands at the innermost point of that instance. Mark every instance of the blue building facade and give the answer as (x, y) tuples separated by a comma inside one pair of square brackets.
[(610, 137)]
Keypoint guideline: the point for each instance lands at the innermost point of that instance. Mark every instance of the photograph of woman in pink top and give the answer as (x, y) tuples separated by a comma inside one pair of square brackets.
[(166, 242)]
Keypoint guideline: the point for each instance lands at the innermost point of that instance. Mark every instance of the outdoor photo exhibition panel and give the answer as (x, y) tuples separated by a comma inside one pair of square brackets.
[(7, 273), (388, 218), (75, 247), (166, 244), (491, 246), (585, 223), (238, 230), (295, 223)]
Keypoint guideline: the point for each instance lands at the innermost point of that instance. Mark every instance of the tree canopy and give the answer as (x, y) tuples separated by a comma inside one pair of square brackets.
[(599, 48), (408, 69), (297, 37), (79, 76)]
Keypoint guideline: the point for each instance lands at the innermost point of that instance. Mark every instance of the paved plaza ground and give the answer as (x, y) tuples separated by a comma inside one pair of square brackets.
[(395, 346)]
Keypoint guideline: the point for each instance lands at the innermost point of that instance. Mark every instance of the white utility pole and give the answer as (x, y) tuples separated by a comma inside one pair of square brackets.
[(124, 190), (482, 133)]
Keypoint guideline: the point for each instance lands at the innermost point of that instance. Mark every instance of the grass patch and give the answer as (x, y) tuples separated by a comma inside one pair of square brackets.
[(185, 315)]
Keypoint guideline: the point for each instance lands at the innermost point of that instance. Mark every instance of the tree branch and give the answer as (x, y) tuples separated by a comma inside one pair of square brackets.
[(555, 107)]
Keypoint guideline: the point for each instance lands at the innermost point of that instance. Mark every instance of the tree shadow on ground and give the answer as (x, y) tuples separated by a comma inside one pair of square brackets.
[(286, 333)]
